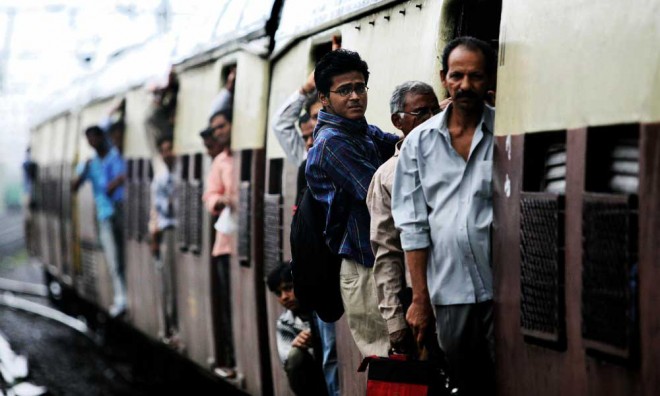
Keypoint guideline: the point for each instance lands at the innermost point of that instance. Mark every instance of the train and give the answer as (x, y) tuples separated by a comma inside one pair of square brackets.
[(576, 178)]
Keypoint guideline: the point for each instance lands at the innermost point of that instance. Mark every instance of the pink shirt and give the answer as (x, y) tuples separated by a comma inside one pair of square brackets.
[(220, 187)]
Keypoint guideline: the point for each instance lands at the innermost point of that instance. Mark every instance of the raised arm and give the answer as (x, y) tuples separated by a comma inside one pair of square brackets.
[(284, 128)]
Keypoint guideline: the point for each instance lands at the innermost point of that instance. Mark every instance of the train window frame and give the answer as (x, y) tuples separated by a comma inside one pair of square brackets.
[(605, 213), (535, 152)]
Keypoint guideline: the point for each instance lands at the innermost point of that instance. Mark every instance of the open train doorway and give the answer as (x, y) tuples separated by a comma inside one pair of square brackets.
[(286, 152)]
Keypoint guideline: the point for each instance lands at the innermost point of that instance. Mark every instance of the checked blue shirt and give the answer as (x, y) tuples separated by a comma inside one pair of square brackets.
[(340, 166)]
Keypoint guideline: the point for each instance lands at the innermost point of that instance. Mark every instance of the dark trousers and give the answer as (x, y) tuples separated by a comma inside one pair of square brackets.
[(118, 232), (465, 334), (224, 338), (304, 373)]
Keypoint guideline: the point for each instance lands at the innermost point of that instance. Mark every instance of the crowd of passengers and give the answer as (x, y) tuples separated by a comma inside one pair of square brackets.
[(410, 215)]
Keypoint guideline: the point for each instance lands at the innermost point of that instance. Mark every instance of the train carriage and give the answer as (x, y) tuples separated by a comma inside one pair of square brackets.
[(575, 179), (576, 199), (94, 282), (245, 45), (400, 41)]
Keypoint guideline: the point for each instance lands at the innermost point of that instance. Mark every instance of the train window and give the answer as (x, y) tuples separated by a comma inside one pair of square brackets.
[(244, 218), (129, 169), (130, 225), (144, 199), (194, 199), (609, 243), (321, 49), (545, 162), (224, 73), (273, 229), (476, 18), (246, 165), (182, 205), (275, 169), (613, 159), (197, 166), (185, 163), (140, 171), (542, 299)]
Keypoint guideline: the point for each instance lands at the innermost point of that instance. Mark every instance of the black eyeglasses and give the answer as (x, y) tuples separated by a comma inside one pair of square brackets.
[(345, 90), (424, 111)]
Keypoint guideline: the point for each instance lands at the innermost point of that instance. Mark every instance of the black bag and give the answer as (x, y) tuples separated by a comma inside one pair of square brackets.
[(314, 267)]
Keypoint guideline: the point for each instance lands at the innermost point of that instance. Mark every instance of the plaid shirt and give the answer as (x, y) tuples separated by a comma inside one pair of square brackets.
[(340, 166)]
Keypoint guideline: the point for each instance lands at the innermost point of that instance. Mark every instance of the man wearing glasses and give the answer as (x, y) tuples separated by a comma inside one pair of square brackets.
[(412, 103), (346, 153)]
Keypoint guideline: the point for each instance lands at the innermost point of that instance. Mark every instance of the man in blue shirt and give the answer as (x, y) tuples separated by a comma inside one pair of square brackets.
[(346, 153), (442, 203), (107, 173)]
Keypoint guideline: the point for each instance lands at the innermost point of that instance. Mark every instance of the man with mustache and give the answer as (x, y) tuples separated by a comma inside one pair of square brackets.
[(442, 203), (346, 153)]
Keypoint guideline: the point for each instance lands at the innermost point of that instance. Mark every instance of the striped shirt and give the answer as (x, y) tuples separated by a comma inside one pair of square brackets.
[(288, 327)]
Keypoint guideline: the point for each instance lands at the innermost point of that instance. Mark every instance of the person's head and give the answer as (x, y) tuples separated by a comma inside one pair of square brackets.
[(213, 147), (468, 71), (166, 150), (220, 124), (116, 134), (312, 107), (307, 129), (412, 103), (280, 282), (96, 138), (341, 78)]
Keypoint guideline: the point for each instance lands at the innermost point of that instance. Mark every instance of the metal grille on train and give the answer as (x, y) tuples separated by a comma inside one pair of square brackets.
[(609, 242), (542, 306), (272, 231)]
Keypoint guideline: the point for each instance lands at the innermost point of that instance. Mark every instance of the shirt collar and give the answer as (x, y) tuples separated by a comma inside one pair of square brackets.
[(341, 123), (397, 147), (486, 123)]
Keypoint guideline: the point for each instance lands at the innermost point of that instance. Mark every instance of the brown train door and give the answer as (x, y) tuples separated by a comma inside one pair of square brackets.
[(249, 312)]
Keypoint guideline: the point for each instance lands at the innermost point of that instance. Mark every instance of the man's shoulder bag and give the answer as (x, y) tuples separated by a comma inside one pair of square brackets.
[(315, 268)]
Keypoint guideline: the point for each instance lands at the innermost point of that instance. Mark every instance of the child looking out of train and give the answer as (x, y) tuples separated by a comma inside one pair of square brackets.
[(296, 336)]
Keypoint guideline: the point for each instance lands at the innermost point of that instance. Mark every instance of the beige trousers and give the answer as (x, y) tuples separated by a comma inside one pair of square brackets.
[(358, 291)]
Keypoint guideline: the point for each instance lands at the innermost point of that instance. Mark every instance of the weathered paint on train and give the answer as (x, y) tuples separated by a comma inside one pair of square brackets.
[(556, 73), (389, 40), (584, 77), (567, 64)]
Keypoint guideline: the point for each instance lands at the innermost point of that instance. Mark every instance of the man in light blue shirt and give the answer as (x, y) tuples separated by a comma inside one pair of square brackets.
[(107, 173), (442, 203)]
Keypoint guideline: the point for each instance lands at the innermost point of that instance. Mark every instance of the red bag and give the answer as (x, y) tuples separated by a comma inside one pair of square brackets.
[(399, 376)]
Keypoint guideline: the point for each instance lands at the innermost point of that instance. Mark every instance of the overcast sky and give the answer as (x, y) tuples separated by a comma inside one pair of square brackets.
[(44, 44)]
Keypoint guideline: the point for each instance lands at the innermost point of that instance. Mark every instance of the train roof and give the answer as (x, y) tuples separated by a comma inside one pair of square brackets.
[(302, 18), (223, 25), (129, 68), (231, 23)]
